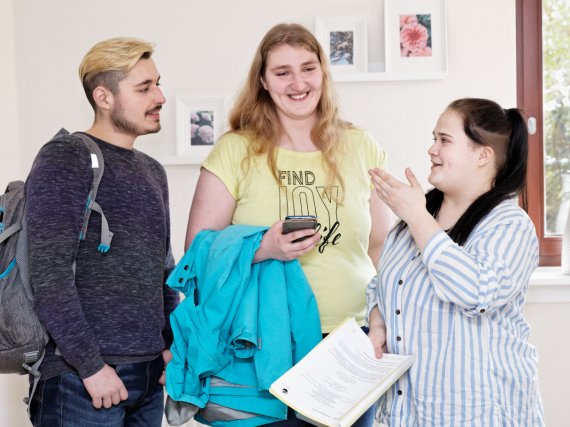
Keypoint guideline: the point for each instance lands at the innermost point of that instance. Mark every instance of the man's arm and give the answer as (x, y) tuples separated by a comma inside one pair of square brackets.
[(56, 192)]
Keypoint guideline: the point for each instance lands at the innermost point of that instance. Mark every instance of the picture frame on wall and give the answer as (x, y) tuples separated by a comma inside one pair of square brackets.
[(416, 38), (344, 41), (199, 123)]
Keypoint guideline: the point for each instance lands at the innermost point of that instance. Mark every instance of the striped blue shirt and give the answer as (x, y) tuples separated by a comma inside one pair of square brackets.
[(458, 309)]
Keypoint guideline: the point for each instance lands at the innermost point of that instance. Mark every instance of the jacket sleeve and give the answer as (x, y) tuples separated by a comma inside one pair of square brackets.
[(56, 193), (489, 271)]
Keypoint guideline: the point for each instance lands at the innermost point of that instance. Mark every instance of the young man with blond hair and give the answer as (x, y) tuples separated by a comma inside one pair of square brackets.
[(107, 314)]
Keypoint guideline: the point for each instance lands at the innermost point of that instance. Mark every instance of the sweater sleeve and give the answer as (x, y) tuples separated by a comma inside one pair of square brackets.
[(56, 193), (171, 297)]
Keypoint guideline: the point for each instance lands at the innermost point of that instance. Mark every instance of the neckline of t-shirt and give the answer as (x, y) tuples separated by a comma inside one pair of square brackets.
[(299, 153)]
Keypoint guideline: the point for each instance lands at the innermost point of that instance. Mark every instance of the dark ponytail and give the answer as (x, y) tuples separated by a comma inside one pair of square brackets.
[(505, 131)]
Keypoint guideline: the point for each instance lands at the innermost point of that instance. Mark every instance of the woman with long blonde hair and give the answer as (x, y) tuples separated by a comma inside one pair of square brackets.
[(288, 152)]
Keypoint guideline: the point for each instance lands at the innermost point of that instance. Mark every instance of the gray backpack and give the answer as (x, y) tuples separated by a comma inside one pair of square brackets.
[(22, 337)]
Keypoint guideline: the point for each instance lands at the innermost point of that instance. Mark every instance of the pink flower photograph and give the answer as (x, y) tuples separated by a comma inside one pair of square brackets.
[(415, 35)]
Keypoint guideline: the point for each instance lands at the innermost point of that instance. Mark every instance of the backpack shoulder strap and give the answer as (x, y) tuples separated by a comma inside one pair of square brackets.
[(97, 162), (98, 166)]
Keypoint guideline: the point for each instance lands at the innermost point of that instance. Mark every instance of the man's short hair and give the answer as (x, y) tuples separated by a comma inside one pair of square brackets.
[(108, 61)]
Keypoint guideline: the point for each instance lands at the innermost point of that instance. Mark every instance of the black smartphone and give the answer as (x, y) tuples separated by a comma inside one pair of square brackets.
[(299, 222)]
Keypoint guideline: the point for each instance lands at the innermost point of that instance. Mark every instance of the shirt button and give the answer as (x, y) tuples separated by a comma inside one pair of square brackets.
[(400, 282), (399, 392), (482, 310), (398, 312), (180, 280), (398, 338), (186, 267)]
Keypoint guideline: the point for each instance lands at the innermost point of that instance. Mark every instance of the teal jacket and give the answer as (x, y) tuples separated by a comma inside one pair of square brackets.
[(239, 328)]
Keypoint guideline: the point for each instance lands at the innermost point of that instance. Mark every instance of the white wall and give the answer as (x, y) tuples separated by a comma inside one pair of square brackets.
[(9, 147), (549, 333), (12, 388), (206, 47)]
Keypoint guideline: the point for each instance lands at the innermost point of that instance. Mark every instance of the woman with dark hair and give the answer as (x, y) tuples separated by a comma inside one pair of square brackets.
[(453, 276)]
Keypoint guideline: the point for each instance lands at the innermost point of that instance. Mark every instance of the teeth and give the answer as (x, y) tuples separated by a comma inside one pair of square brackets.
[(299, 96)]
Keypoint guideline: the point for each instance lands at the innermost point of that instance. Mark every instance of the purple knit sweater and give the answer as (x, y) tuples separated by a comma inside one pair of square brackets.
[(115, 309)]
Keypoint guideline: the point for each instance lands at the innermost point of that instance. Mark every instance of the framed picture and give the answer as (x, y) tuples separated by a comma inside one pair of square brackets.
[(416, 43), (344, 40), (199, 123)]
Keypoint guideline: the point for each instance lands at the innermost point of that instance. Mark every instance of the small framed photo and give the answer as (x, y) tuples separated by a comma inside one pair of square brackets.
[(416, 40), (344, 40), (199, 123)]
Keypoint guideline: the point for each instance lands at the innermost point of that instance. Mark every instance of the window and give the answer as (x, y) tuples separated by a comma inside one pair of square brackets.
[(543, 82)]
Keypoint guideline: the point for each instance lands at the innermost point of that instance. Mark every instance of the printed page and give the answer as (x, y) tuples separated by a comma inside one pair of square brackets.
[(340, 378)]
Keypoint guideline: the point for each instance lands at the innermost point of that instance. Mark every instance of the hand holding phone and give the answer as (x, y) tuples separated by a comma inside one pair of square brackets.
[(299, 222)]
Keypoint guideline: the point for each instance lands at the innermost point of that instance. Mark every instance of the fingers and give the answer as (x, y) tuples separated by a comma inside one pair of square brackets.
[(377, 333), (398, 195), (123, 393), (376, 344), (300, 235), (384, 183), (384, 179), (284, 247), (115, 399), (105, 388), (412, 178), (299, 248), (108, 401), (111, 399), (310, 242), (378, 352), (97, 402)]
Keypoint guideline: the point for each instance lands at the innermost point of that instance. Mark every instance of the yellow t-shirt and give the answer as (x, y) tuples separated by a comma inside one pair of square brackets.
[(339, 268)]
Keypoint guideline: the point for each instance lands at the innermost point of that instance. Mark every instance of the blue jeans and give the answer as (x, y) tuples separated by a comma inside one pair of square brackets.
[(64, 401)]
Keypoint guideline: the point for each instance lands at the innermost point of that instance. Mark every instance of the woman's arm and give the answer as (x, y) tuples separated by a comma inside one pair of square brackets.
[(491, 270), (212, 207), (486, 273), (381, 223)]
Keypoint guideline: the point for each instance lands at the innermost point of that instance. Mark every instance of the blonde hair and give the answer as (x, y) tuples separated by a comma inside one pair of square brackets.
[(254, 113), (108, 61)]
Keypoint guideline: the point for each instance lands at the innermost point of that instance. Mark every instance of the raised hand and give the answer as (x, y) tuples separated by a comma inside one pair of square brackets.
[(405, 199)]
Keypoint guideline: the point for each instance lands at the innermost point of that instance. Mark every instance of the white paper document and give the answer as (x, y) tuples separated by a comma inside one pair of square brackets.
[(340, 378)]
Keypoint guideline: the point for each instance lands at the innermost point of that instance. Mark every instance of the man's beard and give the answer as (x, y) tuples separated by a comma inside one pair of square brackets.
[(123, 124)]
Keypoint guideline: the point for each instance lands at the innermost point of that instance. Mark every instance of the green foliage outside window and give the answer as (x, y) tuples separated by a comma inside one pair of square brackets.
[(556, 99)]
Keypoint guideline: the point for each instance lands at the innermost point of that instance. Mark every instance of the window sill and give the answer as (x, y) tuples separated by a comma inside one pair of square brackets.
[(548, 285)]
